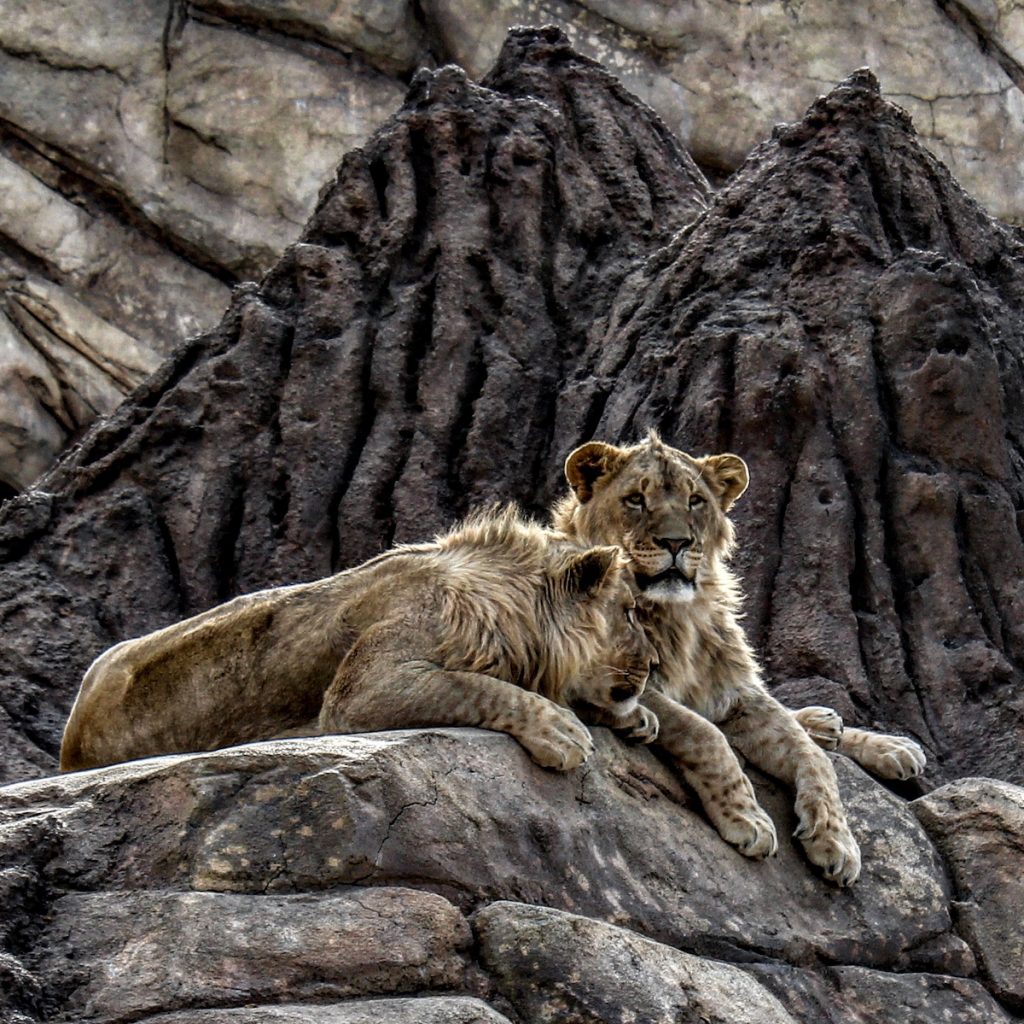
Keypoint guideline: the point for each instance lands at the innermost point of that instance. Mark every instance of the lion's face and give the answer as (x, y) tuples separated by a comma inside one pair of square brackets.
[(595, 601), (664, 508), (628, 654)]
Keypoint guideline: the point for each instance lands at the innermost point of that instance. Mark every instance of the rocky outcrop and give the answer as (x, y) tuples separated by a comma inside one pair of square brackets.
[(446, 871), (401, 364), (153, 154)]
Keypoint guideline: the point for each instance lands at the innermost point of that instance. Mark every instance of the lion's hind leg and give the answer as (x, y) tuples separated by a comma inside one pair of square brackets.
[(888, 757), (378, 686), (884, 755)]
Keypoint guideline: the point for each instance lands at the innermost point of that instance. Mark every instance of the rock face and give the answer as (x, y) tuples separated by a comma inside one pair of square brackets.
[(509, 269), (149, 151), (503, 271), (444, 870), (977, 823), (402, 363)]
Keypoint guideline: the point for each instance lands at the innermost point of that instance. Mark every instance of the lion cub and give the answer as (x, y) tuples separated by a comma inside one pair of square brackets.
[(500, 623)]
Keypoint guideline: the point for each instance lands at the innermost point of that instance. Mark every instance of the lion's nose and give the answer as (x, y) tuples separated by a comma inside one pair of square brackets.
[(626, 690), (674, 544)]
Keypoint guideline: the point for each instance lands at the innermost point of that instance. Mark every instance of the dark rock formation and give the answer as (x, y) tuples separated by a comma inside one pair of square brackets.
[(851, 322), (448, 328)]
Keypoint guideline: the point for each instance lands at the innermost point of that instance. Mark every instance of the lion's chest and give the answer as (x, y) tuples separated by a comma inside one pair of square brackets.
[(695, 666)]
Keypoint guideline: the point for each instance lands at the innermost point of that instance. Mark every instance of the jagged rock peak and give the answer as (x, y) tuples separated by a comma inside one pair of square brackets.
[(848, 319), (401, 363)]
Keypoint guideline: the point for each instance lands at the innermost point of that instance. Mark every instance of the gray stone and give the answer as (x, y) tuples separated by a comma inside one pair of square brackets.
[(978, 824), (466, 813), (423, 1010), (61, 366), (557, 967), (117, 956)]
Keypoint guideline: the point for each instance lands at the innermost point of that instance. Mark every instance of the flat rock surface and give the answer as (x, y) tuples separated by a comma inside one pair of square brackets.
[(133, 953), (858, 995), (217, 874), (422, 1010)]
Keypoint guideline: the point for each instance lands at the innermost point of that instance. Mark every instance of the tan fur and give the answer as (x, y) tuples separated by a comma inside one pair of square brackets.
[(499, 623), (668, 511)]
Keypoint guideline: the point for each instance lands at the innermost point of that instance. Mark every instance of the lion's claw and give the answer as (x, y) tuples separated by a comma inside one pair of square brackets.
[(557, 739), (822, 724)]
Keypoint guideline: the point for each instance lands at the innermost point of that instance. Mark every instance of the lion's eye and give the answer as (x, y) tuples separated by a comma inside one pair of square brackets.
[(635, 500), (631, 616), (696, 499)]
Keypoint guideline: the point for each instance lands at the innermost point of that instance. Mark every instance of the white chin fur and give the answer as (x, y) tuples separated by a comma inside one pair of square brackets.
[(624, 707), (675, 590)]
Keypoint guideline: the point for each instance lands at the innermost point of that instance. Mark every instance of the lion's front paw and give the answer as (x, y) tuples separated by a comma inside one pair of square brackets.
[(746, 826), (892, 757), (640, 725), (823, 725), (829, 843), (557, 739)]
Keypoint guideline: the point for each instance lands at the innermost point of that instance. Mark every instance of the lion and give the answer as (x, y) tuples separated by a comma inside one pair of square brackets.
[(668, 512), (500, 623)]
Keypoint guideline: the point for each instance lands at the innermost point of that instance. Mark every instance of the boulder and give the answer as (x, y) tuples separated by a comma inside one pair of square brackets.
[(555, 966), (317, 870), (978, 824)]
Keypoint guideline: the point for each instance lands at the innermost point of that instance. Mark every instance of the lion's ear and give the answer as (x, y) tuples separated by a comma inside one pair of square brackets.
[(586, 574), (728, 477), (587, 464)]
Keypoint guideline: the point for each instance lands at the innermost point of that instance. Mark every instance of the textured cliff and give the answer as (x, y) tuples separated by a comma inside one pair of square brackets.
[(500, 274), (153, 152)]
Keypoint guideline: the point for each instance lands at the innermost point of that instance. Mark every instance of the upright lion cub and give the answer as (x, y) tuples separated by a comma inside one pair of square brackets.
[(499, 623), (668, 511)]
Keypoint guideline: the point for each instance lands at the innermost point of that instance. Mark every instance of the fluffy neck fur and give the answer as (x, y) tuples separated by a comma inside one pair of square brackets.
[(505, 607)]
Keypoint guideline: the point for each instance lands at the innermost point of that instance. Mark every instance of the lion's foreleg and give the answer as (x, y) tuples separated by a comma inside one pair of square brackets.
[(890, 757), (712, 770), (377, 688), (771, 738)]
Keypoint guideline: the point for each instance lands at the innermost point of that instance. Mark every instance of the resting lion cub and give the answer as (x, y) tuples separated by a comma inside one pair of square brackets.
[(667, 510), (500, 624)]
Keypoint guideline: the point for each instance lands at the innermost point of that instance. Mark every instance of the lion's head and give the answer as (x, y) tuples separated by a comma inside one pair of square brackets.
[(618, 653), (529, 604), (664, 508)]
